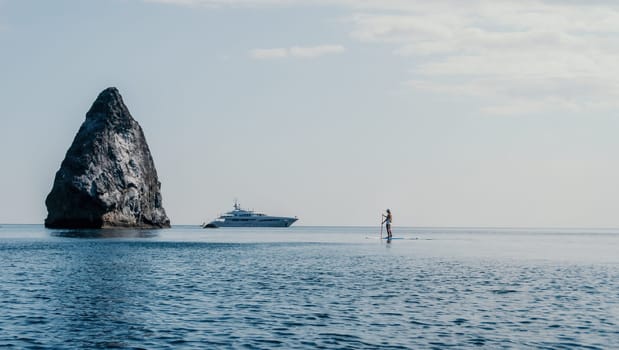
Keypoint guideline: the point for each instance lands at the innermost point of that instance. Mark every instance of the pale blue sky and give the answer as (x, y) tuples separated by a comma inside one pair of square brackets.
[(452, 113)]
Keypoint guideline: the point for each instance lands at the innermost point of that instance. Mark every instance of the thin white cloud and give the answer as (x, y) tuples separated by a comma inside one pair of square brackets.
[(517, 56), (296, 52), (226, 3)]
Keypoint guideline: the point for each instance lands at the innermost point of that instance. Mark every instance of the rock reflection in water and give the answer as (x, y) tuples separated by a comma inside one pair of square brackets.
[(105, 233)]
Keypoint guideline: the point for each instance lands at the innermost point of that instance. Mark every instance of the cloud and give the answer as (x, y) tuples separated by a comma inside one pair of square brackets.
[(227, 3), (296, 52), (514, 56)]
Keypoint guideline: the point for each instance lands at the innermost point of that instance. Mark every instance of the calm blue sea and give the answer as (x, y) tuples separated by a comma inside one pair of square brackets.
[(309, 288)]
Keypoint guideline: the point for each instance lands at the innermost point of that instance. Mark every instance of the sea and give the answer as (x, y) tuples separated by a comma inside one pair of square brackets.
[(309, 288)]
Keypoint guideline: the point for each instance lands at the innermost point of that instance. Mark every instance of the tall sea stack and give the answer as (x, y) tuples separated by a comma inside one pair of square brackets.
[(108, 177)]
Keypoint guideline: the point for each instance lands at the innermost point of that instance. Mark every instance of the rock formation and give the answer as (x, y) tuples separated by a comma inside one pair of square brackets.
[(108, 177)]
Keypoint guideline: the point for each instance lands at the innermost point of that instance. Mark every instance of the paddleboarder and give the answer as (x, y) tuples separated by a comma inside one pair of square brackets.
[(387, 222)]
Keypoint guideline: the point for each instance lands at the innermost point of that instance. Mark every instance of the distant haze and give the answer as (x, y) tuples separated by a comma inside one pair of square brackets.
[(451, 113)]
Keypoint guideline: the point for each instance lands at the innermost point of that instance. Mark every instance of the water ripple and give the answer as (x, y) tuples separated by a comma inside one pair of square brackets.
[(110, 293)]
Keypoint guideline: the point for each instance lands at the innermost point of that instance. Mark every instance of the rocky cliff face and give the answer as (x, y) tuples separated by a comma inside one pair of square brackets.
[(108, 177)]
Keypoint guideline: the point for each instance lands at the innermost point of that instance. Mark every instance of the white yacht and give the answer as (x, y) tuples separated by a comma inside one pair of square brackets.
[(248, 218)]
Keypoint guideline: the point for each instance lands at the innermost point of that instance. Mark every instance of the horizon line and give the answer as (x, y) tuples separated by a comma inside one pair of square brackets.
[(365, 226)]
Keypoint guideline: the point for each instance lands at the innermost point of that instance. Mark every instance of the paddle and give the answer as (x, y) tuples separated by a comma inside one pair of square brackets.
[(381, 226)]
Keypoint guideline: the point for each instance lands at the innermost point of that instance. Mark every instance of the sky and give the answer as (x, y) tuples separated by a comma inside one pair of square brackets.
[(448, 112)]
